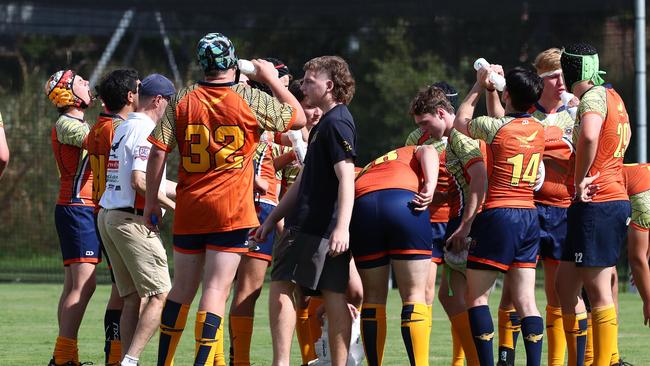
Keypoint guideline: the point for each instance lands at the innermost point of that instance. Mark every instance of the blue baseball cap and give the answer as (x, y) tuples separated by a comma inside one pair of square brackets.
[(156, 84)]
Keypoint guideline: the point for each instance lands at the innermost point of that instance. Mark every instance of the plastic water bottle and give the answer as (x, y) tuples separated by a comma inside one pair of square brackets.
[(496, 79), (246, 67), (566, 97), (298, 144)]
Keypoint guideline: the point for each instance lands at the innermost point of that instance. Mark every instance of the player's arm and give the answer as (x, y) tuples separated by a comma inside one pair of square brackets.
[(430, 165), (477, 186), (590, 125), (492, 99), (170, 188), (4, 151), (283, 160), (155, 169), (260, 185), (340, 237), (466, 109), (139, 184), (267, 74), (638, 256)]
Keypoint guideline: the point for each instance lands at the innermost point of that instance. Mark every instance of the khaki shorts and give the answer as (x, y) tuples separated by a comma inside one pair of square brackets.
[(303, 259), (138, 257)]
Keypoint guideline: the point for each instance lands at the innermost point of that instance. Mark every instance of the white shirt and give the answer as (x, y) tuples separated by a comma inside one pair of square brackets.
[(129, 152)]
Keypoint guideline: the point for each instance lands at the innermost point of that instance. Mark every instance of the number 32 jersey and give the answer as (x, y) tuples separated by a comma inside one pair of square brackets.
[(515, 144), (216, 128)]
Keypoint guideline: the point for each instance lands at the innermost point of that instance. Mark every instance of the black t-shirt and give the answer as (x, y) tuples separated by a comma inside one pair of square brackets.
[(332, 140)]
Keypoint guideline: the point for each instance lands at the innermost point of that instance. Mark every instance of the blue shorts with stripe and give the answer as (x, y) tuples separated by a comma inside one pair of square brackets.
[(384, 226), (234, 241), (75, 226), (597, 231), (439, 230), (263, 250), (552, 231), (504, 238)]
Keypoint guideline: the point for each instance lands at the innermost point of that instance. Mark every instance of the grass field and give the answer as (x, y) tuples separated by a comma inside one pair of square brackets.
[(28, 324)]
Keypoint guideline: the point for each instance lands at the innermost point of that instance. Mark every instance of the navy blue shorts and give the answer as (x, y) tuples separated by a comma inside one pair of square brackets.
[(384, 227), (75, 226), (262, 250), (228, 241), (438, 229), (552, 231), (597, 230), (504, 238)]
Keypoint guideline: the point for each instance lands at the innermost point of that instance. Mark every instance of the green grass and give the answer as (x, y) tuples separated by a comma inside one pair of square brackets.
[(28, 324)]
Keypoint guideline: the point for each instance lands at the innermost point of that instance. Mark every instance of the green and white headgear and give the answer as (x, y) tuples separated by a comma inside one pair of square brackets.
[(216, 52), (580, 62)]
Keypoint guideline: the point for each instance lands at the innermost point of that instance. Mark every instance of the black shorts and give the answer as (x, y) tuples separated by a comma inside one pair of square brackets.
[(303, 259)]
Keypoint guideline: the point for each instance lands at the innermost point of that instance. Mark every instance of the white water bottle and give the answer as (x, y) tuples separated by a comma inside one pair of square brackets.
[(566, 97), (246, 67), (298, 144), (496, 79)]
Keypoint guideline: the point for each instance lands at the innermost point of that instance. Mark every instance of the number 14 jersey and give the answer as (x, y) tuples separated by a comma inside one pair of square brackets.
[(515, 144), (216, 128)]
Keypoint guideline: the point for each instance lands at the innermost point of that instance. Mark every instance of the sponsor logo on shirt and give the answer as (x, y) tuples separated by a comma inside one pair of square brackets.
[(142, 153)]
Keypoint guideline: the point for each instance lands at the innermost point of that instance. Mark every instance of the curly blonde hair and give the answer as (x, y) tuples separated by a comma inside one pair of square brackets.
[(339, 72), (548, 60)]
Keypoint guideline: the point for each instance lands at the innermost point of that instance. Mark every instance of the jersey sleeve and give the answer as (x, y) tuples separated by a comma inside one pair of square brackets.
[(140, 151), (71, 132), (414, 137), (484, 128), (466, 149), (594, 101), (341, 141), (271, 114), (164, 134)]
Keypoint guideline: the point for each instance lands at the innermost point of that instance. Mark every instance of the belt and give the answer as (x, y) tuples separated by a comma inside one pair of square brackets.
[(131, 210)]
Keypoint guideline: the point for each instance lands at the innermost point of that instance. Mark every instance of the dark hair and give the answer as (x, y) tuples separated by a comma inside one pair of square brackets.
[(572, 65), (115, 87), (294, 88), (339, 72), (282, 71), (428, 100), (524, 87), (450, 92)]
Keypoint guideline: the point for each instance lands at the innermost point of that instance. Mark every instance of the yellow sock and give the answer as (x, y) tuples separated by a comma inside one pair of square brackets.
[(314, 323), (373, 332), (506, 329), (205, 333), (241, 331), (219, 356), (589, 348), (605, 327), (172, 324), (555, 336), (430, 312), (65, 350), (616, 357), (575, 332), (457, 353), (303, 333), (415, 332), (460, 325), (115, 353)]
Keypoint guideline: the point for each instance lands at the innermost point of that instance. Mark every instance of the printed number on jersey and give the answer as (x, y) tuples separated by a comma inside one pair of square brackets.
[(519, 174), (229, 139), (623, 132), (98, 166), (391, 155)]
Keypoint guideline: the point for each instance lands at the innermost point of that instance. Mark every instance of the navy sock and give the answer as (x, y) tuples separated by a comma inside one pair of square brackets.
[(532, 330), (482, 327)]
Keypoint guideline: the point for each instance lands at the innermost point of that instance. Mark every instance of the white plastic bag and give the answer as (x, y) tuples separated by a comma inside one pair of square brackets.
[(356, 354)]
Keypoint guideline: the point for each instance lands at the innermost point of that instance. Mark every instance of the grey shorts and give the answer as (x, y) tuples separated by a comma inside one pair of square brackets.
[(302, 259)]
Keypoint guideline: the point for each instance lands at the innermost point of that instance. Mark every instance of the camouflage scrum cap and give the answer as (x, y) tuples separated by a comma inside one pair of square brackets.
[(216, 52), (58, 89)]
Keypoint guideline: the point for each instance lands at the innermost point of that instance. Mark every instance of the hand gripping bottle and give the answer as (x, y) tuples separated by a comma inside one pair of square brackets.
[(496, 79), (298, 144), (566, 98), (246, 67)]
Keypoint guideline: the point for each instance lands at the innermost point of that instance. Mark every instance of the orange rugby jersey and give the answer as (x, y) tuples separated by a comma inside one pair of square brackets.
[(559, 157), (216, 128), (439, 210), (515, 145), (68, 138), (397, 169), (636, 178), (613, 141), (462, 153), (99, 144), (264, 156)]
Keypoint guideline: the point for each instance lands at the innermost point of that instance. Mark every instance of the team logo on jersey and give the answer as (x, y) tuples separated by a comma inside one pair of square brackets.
[(117, 144), (525, 141), (346, 146), (486, 337), (143, 153), (212, 102), (534, 337)]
